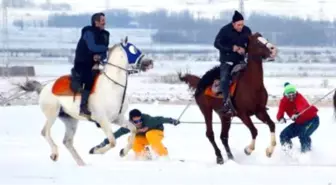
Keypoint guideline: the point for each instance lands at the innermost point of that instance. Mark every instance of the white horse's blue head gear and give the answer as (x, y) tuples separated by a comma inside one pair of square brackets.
[(134, 55)]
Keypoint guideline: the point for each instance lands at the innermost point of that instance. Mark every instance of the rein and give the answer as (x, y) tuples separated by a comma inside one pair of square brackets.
[(123, 86)]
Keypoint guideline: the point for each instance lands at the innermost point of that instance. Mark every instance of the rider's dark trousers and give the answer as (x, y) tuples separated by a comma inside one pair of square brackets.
[(86, 74), (225, 70)]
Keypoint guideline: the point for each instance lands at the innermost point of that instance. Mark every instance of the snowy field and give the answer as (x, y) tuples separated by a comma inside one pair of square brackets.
[(24, 156), (311, 69), (161, 83)]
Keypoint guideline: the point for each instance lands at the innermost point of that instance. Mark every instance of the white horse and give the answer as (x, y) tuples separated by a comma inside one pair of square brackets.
[(107, 103)]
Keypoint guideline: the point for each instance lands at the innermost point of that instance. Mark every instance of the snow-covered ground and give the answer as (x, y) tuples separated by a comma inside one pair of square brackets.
[(24, 156)]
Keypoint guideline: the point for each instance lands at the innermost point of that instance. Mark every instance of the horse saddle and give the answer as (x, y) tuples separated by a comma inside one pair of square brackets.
[(237, 69), (76, 83)]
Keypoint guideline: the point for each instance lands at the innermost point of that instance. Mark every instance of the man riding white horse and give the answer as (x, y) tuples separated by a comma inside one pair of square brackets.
[(91, 49), (107, 102)]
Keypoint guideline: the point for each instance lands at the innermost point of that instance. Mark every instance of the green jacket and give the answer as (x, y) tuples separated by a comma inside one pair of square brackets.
[(151, 122)]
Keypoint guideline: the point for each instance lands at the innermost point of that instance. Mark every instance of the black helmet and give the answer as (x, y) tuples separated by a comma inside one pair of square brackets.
[(134, 113)]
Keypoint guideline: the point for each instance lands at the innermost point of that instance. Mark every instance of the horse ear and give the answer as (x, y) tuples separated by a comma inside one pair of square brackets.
[(258, 34), (126, 39)]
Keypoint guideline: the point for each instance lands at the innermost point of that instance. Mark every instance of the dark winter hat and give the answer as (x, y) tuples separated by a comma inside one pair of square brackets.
[(237, 16), (96, 17), (134, 113), (286, 83)]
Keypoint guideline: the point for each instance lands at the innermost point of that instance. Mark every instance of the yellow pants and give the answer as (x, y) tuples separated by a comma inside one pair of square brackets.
[(152, 138)]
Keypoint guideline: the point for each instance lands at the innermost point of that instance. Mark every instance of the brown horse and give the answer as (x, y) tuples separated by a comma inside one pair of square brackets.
[(334, 103), (247, 92)]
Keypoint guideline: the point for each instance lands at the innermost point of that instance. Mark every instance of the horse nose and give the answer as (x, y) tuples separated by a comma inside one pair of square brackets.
[(273, 52)]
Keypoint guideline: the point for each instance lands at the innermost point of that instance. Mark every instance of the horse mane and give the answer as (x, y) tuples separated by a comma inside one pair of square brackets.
[(207, 80), (111, 49)]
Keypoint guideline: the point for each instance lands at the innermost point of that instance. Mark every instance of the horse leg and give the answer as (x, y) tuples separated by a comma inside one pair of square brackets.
[(254, 132), (51, 112), (210, 134), (125, 123), (106, 126), (70, 131), (226, 123), (265, 118)]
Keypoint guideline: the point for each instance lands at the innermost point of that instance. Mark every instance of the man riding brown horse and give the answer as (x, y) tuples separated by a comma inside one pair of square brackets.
[(231, 41), (248, 93)]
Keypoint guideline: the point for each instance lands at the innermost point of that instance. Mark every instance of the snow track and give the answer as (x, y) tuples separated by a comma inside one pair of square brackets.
[(24, 156)]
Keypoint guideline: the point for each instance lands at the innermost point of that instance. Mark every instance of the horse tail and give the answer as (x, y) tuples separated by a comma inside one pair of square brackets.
[(31, 86), (190, 79), (334, 103)]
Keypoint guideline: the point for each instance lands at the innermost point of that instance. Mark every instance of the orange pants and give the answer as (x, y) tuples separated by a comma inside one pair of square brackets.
[(152, 138)]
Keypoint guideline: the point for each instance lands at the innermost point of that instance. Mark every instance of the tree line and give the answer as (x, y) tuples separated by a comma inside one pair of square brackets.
[(182, 27)]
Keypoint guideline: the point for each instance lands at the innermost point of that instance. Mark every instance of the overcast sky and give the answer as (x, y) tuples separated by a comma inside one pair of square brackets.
[(301, 8)]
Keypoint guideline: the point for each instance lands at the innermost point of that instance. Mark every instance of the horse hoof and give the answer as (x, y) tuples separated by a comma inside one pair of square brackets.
[(81, 163), (220, 160), (230, 156), (97, 124), (246, 151), (54, 157), (122, 153), (268, 153), (92, 151)]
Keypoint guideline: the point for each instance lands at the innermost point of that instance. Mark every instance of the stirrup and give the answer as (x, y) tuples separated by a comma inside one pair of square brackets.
[(225, 108), (88, 116)]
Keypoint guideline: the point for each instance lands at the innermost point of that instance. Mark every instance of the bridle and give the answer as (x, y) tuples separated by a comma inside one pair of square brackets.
[(109, 78), (264, 42), (123, 86), (121, 68)]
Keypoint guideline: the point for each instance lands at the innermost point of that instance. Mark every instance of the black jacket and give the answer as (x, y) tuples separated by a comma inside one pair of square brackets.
[(92, 41), (226, 38)]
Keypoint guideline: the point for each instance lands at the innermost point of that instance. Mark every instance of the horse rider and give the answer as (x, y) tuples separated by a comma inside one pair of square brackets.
[(231, 41), (91, 49)]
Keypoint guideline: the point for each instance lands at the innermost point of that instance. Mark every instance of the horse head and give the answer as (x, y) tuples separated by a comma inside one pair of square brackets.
[(134, 56), (259, 46)]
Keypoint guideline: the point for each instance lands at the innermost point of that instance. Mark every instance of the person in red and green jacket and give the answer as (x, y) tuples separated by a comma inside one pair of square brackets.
[(304, 115)]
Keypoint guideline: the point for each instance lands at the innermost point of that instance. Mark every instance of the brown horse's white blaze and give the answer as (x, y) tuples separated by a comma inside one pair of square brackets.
[(269, 45)]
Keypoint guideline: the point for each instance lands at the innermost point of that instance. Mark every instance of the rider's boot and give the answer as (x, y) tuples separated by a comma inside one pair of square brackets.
[(84, 111), (224, 86)]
